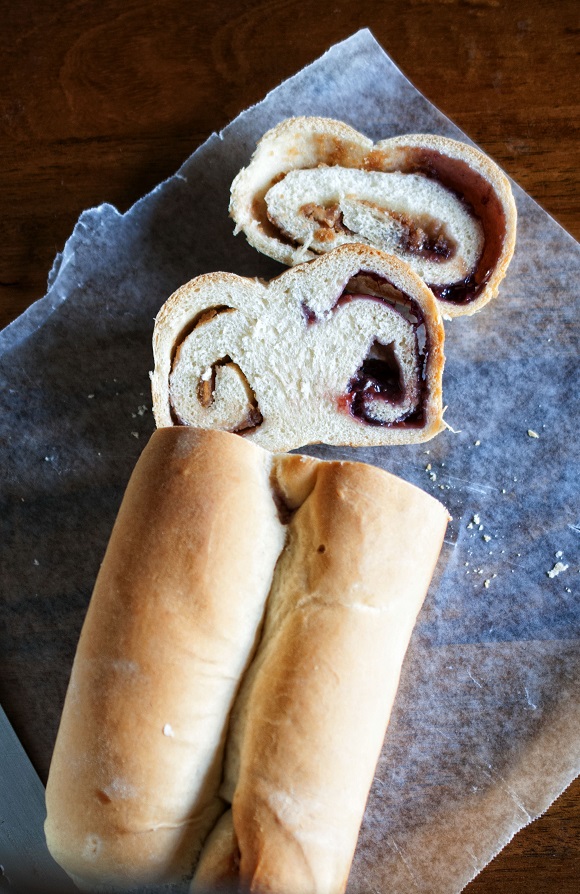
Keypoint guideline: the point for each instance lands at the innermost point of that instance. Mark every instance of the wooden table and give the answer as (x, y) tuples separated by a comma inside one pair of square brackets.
[(101, 101)]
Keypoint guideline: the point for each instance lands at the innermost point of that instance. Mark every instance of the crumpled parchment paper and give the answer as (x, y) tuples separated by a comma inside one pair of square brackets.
[(486, 728)]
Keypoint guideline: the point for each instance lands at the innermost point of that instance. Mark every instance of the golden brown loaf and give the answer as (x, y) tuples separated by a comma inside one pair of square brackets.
[(441, 205), (258, 602), (346, 349)]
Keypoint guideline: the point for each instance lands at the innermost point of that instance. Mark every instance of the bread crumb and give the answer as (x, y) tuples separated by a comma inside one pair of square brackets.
[(428, 467), (557, 569), (532, 433), (486, 583), (476, 519), (454, 431), (433, 476), (487, 538), (135, 434), (476, 443), (90, 396), (559, 554), (168, 730)]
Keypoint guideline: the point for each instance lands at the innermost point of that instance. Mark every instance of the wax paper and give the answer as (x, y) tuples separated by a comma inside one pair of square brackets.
[(485, 731)]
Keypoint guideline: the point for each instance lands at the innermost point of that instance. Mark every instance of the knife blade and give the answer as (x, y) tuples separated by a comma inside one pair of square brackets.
[(26, 866)]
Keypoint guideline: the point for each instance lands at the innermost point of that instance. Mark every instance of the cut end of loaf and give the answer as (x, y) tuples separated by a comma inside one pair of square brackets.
[(344, 350)]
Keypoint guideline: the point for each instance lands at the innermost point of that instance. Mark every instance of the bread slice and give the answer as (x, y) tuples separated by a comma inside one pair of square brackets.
[(441, 205), (347, 349)]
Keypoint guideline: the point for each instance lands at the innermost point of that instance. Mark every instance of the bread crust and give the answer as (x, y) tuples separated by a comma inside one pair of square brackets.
[(308, 725), (311, 142), (172, 625), (298, 371)]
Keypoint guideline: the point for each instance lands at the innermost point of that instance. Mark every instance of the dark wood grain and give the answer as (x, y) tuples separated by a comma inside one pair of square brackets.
[(101, 101)]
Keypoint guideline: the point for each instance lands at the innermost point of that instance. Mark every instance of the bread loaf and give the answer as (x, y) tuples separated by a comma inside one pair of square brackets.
[(347, 349), (261, 601), (441, 205)]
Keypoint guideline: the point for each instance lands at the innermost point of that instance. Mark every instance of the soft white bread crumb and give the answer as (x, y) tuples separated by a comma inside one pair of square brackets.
[(284, 355), (377, 208)]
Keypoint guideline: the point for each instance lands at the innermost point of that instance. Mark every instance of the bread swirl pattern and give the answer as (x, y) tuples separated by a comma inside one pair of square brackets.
[(440, 205), (213, 535), (347, 350)]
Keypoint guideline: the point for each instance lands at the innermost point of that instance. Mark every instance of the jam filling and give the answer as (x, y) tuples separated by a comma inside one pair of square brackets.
[(473, 190), (380, 376), (429, 242), (480, 198), (461, 292), (426, 240)]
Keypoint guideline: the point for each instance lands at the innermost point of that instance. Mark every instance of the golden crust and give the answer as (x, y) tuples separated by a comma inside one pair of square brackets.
[(219, 550), (309, 722), (170, 629)]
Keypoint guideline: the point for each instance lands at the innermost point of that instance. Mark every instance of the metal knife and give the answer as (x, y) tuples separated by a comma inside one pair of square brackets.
[(26, 866)]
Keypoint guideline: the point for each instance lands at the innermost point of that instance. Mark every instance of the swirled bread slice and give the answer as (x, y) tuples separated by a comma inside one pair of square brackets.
[(441, 205), (347, 349)]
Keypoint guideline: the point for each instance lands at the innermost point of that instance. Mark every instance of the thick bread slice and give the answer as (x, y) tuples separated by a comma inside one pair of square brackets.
[(441, 205), (347, 349), (172, 626), (309, 722)]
